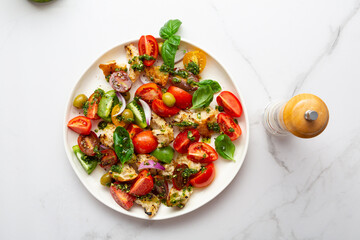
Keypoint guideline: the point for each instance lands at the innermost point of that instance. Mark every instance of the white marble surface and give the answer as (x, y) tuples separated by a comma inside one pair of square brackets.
[(288, 188)]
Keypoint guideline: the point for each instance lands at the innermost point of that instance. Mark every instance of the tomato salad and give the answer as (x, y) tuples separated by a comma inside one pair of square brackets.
[(134, 142)]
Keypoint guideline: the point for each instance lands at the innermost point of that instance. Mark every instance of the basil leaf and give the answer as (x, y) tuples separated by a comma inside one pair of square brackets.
[(202, 97), (168, 50), (123, 145), (225, 147), (170, 28), (174, 40), (215, 86)]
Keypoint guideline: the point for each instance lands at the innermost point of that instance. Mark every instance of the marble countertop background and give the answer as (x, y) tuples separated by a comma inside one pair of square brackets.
[(287, 188)]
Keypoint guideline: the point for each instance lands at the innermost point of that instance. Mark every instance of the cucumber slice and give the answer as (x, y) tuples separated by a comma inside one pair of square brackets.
[(139, 114), (107, 102)]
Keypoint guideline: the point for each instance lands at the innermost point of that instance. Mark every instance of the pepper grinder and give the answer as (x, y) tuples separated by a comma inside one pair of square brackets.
[(305, 116)]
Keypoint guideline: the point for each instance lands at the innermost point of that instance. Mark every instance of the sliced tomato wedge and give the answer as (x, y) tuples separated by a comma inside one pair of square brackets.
[(159, 107), (228, 126), (149, 46), (204, 177), (230, 103), (80, 124), (108, 159), (92, 105), (200, 152), (143, 184), (149, 92), (89, 143), (133, 129), (183, 98), (122, 198), (184, 139)]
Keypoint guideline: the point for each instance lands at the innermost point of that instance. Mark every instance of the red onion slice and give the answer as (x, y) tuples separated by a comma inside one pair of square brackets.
[(147, 111), (180, 53), (150, 164), (123, 103), (103, 146), (144, 79)]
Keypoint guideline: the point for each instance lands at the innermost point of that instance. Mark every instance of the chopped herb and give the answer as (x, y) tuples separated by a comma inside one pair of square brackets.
[(188, 172), (117, 69), (186, 124), (204, 155), (231, 129), (203, 169), (182, 73), (98, 154), (219, 108), (138, 66), (166, 68), (213, 126), (176, 80), (236, 121), (207, 110), (146, 57), (108, 77), (102, 125), (190, 136), (115, 168), (123, 187), (193, 68), (86, 107), (199, 115)]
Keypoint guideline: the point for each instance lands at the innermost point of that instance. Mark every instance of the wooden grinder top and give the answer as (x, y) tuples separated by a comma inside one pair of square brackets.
[(305, 115)]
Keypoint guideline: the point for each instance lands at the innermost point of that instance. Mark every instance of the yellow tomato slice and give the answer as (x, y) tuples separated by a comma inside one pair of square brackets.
[(115, 117), (197, 57)]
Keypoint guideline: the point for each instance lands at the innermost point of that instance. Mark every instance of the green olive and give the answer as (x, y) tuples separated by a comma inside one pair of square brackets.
[(169, 99), (128, 116), (126, 96), (106, 179), (80, 100)]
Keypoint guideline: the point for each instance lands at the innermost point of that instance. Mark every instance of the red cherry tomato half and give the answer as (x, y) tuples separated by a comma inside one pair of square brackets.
[(80, 124), (92, 106), (204, 177), (228, 126), (230, 103), (183, 98), (133, 129), (159, 107), (149, 92), (161, 188), (120, 81), (108, 159), (200, 152), (144, 142), (88, 143), (143, 184), (179, 180), (184, 139), (149, 46)]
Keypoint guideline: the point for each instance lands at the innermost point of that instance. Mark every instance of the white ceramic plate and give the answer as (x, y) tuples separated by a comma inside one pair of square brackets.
[(225, 169)]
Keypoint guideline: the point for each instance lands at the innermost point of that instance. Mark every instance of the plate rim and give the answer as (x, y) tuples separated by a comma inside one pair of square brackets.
[(69, 154)]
